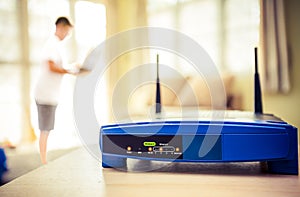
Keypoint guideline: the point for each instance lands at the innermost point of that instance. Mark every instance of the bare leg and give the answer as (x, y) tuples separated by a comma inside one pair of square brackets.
[(43, 146)]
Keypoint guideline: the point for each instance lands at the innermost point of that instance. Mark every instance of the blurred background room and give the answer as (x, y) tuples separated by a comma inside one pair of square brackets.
[(227, 29)]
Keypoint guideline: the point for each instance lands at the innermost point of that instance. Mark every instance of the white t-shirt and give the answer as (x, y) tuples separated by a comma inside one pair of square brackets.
[(47, 89)]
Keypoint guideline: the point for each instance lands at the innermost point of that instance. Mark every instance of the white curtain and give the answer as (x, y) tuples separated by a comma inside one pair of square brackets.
[(273, 47)]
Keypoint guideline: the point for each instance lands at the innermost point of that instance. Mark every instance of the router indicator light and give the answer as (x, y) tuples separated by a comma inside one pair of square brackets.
[(149, 143)]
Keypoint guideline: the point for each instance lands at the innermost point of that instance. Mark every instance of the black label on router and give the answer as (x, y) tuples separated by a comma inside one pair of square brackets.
[(163, 146)]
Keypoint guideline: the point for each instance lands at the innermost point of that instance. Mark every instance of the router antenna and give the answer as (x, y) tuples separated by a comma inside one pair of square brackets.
[(258, 108), (158, 101)]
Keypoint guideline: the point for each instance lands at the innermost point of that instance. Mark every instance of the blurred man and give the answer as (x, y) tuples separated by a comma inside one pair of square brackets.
[(48, 86)]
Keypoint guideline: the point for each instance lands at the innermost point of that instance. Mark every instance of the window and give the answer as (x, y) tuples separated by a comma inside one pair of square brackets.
[(10, 72), (90, 26), (10, 51), (227, 30)]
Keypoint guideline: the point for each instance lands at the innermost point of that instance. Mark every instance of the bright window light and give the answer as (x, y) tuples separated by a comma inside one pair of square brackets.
[(90, 27)]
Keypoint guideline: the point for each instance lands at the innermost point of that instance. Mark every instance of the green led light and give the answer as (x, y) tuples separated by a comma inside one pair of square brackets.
[(149, 143)]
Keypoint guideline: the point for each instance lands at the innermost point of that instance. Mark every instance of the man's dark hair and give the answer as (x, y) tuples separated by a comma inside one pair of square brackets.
[(64, 21)]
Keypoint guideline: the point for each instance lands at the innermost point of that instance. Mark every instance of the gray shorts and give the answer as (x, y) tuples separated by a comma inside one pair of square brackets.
[(46, 116)]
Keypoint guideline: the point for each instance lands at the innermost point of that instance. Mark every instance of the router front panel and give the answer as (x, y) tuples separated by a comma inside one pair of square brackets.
[(179, 142)]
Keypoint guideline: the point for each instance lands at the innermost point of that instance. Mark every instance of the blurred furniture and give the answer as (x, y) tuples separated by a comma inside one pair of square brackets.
[(191, 92)]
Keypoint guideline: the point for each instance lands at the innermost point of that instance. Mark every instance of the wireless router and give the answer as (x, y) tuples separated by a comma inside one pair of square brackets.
[(238, 137)]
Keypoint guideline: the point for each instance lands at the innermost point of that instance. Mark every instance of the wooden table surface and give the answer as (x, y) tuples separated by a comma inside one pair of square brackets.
[(79, 174)]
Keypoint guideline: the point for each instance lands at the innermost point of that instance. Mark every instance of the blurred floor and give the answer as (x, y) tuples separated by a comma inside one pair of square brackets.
[(25, 158)]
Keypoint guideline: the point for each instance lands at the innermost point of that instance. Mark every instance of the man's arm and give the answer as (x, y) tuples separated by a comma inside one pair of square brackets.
[(54, 68)]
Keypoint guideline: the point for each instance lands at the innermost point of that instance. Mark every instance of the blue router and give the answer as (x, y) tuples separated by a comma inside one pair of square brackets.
[(231, 136)]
